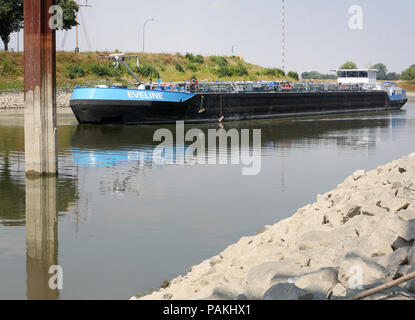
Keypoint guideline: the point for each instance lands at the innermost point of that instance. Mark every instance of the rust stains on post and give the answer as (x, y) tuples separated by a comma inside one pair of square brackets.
[(40, 89)]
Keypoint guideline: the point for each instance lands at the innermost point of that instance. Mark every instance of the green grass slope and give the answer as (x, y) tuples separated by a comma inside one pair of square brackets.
[(87, 68)]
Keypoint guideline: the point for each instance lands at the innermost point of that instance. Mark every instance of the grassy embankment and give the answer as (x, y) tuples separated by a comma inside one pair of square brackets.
[(409, 86), (78, 69)]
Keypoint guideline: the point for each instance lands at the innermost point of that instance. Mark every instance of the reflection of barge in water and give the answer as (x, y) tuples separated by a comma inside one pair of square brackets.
[(356, 91)]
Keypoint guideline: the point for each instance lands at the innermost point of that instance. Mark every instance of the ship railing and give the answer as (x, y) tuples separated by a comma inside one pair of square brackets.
[(264, 86)]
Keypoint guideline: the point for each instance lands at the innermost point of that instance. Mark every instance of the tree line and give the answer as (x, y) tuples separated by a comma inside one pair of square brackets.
[(382, 74)]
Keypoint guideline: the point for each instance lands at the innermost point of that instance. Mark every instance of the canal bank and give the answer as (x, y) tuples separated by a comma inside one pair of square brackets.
[(12, 101), (355, 237)]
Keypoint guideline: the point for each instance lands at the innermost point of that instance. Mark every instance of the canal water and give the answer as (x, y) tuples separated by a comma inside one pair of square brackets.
[(119, 222)]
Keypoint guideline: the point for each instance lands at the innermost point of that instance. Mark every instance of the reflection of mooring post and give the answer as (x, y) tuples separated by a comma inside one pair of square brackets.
[(41, 236), (220, 107), (39, 88)]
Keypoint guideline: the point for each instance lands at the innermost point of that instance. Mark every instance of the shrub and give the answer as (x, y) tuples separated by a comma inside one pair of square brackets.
[(193, 77), (179, 67), (74, 71), (224, 71), (195, 59), (190, 57), (199, 59), (98, 69), (8, 66), (269, 72), (105, 69), (148, 70), (240, 70), (220, 61), (191, 67), (273, 72)]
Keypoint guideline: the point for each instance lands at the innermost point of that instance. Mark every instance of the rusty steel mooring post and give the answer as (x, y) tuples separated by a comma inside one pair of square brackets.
[(39, 89)]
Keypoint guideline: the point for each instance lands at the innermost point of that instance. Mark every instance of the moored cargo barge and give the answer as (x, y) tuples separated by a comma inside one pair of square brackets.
[(356, 91)]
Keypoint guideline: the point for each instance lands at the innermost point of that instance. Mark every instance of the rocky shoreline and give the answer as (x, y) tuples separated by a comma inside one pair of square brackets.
[(14, 99), (353, 238)]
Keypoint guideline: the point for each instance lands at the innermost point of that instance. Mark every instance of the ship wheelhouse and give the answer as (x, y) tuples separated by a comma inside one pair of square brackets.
[(357, 76)]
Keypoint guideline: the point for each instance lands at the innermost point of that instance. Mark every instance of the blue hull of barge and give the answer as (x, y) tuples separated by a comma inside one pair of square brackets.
[(124, 94)]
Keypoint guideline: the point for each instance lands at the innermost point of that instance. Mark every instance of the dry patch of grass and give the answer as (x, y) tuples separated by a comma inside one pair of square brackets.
[(407, 85)]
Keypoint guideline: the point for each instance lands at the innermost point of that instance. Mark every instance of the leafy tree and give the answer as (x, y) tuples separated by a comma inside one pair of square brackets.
[(70, 9), (409, 74), (317, 75), (382, 71), (293, 75), (393, 76), (349, 65), (11, 17)]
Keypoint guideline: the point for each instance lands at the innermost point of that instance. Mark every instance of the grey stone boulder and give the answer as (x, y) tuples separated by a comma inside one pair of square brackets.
[(393, 261), (393, 204), (259, 277), (402, 271), (410, 286), (338, 292), (319, 282), (401, 243), (356, 272), (375, 244), (411, 255), (223, 293), (325, 236), (407, 214), (287, 291), (402, 228), (395, 258)]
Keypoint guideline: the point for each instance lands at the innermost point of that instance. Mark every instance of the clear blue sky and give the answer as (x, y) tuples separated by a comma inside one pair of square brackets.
[(318, 34)]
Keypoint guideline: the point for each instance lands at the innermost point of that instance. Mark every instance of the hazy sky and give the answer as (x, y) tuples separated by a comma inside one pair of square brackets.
[(318, 36)]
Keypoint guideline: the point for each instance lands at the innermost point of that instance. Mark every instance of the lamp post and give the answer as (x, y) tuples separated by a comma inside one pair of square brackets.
[(144, 31)]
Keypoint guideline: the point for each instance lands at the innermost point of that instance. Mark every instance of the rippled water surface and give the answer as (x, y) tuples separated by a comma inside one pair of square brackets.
[(119, 222)]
